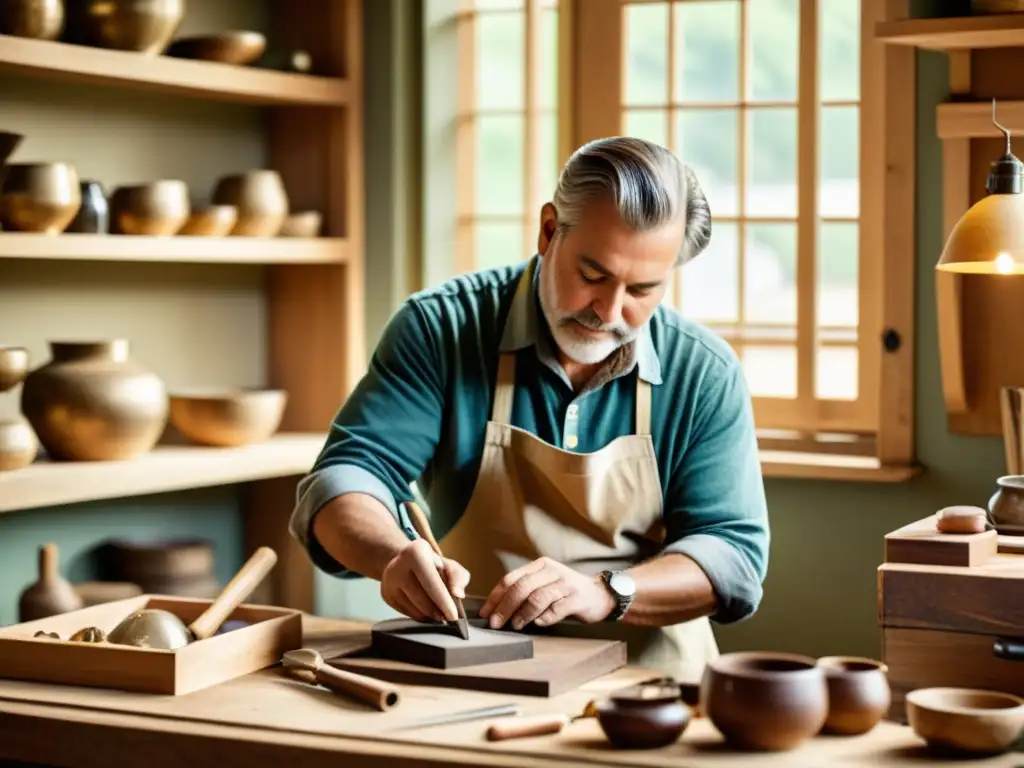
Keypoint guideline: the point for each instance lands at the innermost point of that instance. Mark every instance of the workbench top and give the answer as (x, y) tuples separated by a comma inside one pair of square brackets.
[(271, 718)]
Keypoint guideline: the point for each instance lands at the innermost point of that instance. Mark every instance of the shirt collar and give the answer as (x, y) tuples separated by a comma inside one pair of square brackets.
[(524, 325)]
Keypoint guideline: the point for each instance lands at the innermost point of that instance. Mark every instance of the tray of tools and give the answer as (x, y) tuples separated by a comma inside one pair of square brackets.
[(155, 643)]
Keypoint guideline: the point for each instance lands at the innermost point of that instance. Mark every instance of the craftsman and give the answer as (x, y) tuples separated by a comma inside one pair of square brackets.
[(585, 453)]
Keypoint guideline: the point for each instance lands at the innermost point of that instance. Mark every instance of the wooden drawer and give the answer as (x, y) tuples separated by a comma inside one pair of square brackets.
[(923, 658)]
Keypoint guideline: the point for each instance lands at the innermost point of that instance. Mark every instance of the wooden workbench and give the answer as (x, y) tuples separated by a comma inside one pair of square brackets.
[(272, 719)]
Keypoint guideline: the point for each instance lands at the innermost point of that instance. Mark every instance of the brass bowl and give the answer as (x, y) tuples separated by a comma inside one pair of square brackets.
[(234, 47), (212, 221), (302, 224), (18, 445), (39, 19), (226, 418), (965, 721), (13, 367), (146, 26), (39, 197), (158, 208), (261, 200)]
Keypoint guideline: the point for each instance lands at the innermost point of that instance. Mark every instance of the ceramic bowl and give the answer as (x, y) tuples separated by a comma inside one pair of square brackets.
[(14, 365), (643, 717), (228, 418), (858, 693), (145, 26), (38, 19), (765, 700), (18, 445), (261, 200), (965, 720), (302, 224), (211, 221), (234, 47), (39, 197), (157, 208)]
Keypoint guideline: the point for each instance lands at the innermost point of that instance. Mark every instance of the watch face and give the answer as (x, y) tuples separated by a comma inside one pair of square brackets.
[(622, 584)]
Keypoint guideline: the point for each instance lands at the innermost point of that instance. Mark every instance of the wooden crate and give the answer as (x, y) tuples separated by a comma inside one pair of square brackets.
[(941, 623), (201, 664)]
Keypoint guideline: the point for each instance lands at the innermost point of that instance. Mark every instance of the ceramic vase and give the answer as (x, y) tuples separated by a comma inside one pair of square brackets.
[(52, 594), (93, 402)]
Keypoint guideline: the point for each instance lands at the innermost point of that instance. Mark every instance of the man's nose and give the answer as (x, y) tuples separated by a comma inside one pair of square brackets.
[(609, 306)]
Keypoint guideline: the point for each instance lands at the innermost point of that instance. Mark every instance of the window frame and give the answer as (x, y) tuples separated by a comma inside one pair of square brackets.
[(867, 439)]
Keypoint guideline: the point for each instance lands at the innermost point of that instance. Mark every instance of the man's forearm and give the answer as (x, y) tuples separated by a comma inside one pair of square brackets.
[(670, 589), (360, 533)]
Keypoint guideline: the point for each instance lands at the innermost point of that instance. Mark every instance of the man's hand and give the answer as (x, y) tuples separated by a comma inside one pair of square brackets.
[(420, 584), (545, 592)]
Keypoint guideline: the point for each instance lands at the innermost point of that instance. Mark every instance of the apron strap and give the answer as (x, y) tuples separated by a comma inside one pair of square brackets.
[(643, 406), (504, 389)]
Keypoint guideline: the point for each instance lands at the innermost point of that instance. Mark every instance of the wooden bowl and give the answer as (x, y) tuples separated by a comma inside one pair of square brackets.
[(302, 224), (964, 720), (145, 26), (232, 47), (858, 693), (14, 366), (212, 221), (764, 700), (228, 418), (158, 208), (643, 717), (39, 197), (261, 200)]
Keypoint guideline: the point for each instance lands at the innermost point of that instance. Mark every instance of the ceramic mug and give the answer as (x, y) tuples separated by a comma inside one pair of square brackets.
[(1006, 506)]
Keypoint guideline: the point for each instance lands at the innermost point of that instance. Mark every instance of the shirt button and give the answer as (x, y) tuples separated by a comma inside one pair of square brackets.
[(572, 441), (573, 410)]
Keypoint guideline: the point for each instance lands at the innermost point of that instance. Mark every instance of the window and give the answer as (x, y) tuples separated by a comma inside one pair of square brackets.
[(780, 112)]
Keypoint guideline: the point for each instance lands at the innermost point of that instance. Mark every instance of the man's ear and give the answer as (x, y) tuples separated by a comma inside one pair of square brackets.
[(548, 228)]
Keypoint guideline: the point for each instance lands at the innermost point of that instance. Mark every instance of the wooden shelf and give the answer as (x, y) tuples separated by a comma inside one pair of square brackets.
[(833, 466), (197, 79), (166, 468), (946, 34), (973, 119), (216, 250)]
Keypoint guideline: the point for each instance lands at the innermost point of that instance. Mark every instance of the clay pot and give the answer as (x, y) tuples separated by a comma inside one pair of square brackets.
[(92, 402), (39, 19), (261, 200), (159, 208), (302, 224), (93, 216), (52, 594), (212, 221), (239, 47), (858, 694), (13, 366), (643, 717), (964, 721), (181, 567), (764, 700), (18, 445), (39, 197), (1006, 506), (146, 26)]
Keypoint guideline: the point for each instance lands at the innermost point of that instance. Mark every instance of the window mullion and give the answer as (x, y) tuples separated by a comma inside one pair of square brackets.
[(807, 205)]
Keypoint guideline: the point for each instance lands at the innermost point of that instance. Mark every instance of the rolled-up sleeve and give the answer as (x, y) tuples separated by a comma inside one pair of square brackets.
[(715, 508), (383, 435)]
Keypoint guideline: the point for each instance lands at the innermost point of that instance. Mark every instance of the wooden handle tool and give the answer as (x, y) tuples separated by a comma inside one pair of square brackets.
[(419, 521), (376, 693), (234, 593), (523, 727)]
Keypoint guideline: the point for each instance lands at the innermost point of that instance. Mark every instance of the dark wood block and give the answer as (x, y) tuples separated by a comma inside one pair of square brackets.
[(442, 648), (920, 542)]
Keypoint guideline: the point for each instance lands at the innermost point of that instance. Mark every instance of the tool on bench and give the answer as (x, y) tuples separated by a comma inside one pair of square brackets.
[(498, 710), (419, 521), (376, 693)]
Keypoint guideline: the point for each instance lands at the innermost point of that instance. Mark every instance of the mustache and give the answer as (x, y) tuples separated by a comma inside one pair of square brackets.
[(589, 319)]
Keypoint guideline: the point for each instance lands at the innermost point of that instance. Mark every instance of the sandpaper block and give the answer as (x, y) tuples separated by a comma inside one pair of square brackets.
[(436, 646)]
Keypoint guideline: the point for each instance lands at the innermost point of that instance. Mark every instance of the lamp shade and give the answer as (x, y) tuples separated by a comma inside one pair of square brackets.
[(988, 239)]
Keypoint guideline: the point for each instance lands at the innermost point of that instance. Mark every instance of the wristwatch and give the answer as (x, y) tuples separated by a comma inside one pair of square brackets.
[(623, 589)]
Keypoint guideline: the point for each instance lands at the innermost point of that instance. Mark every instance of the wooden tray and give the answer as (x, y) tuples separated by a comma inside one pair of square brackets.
[(202, 664)]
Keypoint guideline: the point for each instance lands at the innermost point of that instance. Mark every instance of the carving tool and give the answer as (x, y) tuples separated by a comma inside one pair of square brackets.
[(376, 693), (419, 521), (498, 710)]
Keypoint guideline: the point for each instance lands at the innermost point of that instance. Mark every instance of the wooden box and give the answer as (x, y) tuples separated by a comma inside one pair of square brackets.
[(952, 625), (271, 632)]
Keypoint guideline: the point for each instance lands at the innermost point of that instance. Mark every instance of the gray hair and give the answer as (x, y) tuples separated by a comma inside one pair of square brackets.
[(650, 186)]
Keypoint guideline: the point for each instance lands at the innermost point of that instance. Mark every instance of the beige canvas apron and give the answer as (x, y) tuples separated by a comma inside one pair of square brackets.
[(589, 511)]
